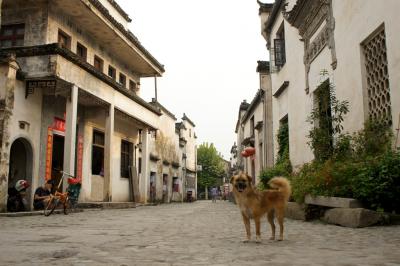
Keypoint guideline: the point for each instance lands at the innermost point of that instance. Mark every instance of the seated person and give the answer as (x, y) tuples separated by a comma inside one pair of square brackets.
[(16, 194), (42, 195)]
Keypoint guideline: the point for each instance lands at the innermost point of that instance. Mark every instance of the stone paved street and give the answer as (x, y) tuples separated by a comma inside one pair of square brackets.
[(200, 233)]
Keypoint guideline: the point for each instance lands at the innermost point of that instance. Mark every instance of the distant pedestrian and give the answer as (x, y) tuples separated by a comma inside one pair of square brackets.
[(214, 194)]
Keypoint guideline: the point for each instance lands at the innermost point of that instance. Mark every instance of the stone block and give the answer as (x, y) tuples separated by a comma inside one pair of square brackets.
[(333, 202), (295, 211), (352, 217)]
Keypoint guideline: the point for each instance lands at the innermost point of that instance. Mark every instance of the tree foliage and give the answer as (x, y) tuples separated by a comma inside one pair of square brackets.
[(212, 165)]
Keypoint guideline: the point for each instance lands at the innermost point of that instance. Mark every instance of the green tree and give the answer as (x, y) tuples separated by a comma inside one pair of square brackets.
[(212, 166)]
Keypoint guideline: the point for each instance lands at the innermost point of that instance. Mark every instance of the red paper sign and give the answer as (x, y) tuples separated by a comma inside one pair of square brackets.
[(80, 158), (49, 153)]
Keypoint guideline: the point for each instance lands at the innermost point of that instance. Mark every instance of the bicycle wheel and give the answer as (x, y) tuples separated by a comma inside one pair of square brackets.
[(51, 206), (67, 206)]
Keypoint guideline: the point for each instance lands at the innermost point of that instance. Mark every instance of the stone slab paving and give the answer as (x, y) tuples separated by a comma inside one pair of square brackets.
[(200, 233)]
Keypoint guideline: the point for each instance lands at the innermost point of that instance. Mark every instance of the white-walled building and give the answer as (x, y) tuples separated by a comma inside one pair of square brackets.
[(254, 129), (350, 44)]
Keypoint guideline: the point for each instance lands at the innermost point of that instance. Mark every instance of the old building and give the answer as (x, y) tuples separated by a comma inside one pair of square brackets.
[(173, 159), (70, 99), (351, 45), (254, 129)]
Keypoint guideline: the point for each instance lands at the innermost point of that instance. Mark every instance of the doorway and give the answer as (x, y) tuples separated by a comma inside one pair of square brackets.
[(57, 159), (20, 166)]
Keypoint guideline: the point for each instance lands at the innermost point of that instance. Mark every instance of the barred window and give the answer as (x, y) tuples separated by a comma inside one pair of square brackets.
[(279, 47), (12, 35), (377, 77)]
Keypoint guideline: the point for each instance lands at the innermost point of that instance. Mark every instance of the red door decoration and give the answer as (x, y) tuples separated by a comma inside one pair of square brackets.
[(59, 125), (49, 153)]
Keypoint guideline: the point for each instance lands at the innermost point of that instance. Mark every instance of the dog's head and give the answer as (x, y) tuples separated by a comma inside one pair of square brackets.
[(241, 182)]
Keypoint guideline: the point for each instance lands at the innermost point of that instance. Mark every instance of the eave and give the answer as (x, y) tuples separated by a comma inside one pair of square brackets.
[(55, 49), (111, 34)]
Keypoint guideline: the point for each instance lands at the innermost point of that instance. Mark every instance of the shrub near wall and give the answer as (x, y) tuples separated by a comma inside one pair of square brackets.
[(363, 166)]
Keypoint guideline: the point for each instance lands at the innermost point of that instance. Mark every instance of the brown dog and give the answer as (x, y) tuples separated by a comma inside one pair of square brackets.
[(254, 204)]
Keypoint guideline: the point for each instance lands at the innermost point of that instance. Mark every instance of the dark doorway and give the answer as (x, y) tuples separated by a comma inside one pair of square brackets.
[(20, 167), (57, 159), (165, 188)]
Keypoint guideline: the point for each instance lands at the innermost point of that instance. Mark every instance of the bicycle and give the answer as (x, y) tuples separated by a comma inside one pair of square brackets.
[(68, 199)]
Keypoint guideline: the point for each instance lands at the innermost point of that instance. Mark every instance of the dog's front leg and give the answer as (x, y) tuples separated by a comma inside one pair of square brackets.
[(246, 222)]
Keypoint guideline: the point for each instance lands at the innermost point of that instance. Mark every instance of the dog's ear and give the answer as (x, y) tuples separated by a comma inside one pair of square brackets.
[(249, 178), (232, 178)]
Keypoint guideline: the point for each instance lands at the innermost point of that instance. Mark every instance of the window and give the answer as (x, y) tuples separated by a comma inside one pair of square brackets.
[(140, 165), (283, 139), (252, 126), (175, 184), (98, 153), (12, 35), (122, 79), (98, 63), (64, 40), (132, 85), (322, 97), (112, 72), (81, 51), (377, 77), (279, 47), (126, 157)]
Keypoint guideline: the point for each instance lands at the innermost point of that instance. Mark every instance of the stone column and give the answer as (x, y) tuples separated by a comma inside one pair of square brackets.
[(8, 72), (108, 150), (144, 176), (71, 112)]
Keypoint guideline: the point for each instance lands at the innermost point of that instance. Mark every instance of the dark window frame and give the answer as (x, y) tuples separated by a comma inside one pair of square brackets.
[(67, 38), (15, 36), (100, 63), (113, 73), (279, 47), (126, 157), (98, 143), (252, 130), (81, 51), (122, 79), (132, 85)]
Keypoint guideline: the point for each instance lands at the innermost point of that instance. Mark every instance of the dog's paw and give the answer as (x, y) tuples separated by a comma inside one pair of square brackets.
[(246, 240), (272, 238), (258, 239), (280, 239)]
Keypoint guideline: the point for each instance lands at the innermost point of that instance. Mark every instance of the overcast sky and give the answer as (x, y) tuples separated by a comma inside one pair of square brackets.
[(210, 50)]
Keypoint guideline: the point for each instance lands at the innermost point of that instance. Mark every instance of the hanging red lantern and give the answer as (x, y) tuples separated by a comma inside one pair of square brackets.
[(250, 151), (244, 154)]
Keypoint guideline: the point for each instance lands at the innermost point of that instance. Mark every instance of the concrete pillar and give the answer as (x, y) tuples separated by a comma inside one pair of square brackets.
[(8, 72), (108, 150), (71, 112), (144, 176)]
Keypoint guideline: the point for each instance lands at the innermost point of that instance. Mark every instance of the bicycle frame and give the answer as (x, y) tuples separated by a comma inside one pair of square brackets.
[(58, 197)]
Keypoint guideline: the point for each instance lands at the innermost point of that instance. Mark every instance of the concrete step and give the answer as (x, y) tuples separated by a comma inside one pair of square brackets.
[(107, 205), (33, 213)]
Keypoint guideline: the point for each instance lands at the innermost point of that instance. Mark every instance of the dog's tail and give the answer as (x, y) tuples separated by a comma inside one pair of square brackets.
[(282, 185)]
